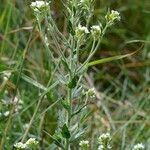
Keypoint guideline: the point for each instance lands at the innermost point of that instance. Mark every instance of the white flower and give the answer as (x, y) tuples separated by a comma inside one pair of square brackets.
[(31, 142), (18, 103), (100, 147), (20, 146), (81, 31), (6, 114), (104, 141), (38, 6), (84, 143), (96, 27), (91, 93), (138, 146), (96, 31), (104, 137), (112, 16)]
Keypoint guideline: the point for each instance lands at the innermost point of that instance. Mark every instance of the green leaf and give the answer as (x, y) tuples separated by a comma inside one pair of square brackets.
[(65, 104), (70, 26), (72, 84), (65, 64), (78, 111), (56, 139), (105, 60), (77, 135), (65, 132), (33, 82)]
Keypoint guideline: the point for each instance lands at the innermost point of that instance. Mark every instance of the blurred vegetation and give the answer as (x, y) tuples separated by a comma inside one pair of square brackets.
[(124, 85)]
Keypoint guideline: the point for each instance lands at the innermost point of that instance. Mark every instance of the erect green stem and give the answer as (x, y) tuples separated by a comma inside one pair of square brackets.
[(69, 92), (69, 112)]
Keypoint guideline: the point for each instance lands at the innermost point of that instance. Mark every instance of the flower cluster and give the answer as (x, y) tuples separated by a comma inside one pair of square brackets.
[(101, 147), (91, 93), (138, 146), (81, 31), (20, 146), (96, 31), (32, 142), (104, 141), (112, 16), (7, 101), (84, 144), (39, 6)]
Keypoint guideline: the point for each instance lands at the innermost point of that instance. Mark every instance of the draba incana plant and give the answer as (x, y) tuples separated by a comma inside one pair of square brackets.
[(64, 50), (69, 71)]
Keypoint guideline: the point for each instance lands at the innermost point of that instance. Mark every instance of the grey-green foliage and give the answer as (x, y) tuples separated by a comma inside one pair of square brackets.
[(70, 70)]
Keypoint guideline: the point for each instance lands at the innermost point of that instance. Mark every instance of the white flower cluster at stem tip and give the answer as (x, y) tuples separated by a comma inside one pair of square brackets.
[(104, 141), (91, 93), (104, 136), (20, 145), (39, 6), (30, 143), (100, 147), (96, 30), (81, 31), (84, 143), (138, 146), (112, 16)]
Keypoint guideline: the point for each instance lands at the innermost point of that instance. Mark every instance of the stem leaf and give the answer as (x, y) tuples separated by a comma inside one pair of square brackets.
[(72, 84), (65, 132)]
